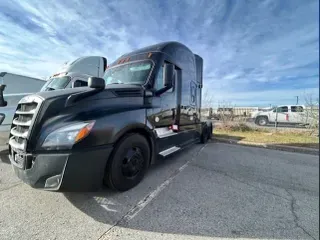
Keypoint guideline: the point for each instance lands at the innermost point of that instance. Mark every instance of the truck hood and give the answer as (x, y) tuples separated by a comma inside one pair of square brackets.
[(112, 90), (56, 109)]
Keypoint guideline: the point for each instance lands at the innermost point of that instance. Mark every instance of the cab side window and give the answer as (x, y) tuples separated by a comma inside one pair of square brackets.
[(281, 109), (158, 84), (296, 109), (79, 83)]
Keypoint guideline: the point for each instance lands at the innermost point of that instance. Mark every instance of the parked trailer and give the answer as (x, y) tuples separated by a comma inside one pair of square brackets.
[(112, 130), (15, 88)]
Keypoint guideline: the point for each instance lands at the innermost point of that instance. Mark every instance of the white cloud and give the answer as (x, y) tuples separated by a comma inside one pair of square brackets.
[(246, 47)]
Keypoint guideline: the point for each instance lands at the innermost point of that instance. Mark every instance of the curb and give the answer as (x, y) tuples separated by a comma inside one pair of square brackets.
[(268, 146)]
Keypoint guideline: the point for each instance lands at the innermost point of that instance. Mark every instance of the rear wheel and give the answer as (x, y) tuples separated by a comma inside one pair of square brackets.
[(205, 135), (210, 132), (128, 163)]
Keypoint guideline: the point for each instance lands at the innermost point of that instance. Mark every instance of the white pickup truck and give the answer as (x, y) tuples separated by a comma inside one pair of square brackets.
[(289, 114)]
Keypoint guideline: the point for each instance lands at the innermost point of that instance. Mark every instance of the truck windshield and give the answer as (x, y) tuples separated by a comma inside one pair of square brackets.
[(56, 83), (130, 73)]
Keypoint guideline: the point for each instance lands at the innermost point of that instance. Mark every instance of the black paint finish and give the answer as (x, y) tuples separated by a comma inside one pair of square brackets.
[(120, 109)]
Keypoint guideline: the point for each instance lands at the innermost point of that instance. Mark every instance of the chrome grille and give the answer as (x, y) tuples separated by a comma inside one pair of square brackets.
[(22, 121)]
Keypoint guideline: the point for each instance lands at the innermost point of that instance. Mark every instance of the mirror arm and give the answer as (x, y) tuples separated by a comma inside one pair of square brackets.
[(3, 103), (162, 90)]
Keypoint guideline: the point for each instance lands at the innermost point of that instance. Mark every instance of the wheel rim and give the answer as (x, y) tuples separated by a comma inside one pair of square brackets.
[(262, 121), (132, 163)]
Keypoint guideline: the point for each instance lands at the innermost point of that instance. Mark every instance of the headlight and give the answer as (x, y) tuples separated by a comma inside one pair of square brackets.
[(66, 137)]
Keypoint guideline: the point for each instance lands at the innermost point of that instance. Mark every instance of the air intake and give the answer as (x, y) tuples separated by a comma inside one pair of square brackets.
[(128, 92), (22, 121)]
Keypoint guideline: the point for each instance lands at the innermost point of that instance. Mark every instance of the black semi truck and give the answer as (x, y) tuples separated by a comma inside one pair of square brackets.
[(146, 106)]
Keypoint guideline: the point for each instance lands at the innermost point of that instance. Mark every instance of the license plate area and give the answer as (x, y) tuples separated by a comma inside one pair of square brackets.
[(18, 158)]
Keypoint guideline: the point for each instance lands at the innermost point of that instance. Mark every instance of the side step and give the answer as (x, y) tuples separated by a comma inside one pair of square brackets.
[(169, 151)]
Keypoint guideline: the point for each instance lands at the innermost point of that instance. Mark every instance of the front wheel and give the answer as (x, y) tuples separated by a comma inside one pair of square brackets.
[(128, 164), (262, 121)]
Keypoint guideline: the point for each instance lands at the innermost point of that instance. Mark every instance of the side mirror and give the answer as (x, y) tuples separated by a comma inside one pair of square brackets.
[(3, 103), (168, 75), (96, 82)]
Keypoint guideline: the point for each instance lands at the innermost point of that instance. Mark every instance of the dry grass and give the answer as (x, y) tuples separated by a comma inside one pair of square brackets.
[(245, 133)]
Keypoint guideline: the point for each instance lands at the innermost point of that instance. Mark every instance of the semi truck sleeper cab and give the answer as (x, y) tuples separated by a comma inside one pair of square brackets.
[(111, 131)]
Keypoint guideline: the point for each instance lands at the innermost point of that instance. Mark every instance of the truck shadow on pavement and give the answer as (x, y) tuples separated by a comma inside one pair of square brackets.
[(184, 208), (108, 206), (4, 156)]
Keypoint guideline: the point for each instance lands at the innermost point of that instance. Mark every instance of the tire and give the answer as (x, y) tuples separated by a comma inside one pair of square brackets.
[(128, 163), (204, 135), (210, 132), (262, 121)]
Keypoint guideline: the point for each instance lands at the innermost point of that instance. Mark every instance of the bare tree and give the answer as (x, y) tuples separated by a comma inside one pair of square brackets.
[(312, 112), (225, 111), (207, 103), (207, 99)]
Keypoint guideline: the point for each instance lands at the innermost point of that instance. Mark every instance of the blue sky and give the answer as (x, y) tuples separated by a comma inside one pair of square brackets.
[(255, 52)]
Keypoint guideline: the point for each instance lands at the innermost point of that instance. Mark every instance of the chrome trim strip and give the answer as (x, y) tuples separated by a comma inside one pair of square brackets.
[(168, 135), (26, 124), (15, 133), (31, 99), (33, 111), (164, 132), (169, 151), (15, 145)]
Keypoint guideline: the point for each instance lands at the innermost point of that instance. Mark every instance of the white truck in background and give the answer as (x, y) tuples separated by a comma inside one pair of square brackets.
[(72, 74), (76, 73), (285, 114)]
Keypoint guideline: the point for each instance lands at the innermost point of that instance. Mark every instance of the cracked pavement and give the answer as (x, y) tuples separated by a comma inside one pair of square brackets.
[(222, 192)]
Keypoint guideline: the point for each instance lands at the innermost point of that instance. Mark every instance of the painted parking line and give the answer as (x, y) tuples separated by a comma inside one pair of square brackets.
[(152, 195)]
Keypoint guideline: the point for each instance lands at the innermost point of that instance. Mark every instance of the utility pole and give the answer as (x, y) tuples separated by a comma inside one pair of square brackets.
[(276, 122), (297, 100)]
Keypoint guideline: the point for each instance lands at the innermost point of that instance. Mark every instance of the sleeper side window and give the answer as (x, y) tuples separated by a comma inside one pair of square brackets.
[(158, 84)]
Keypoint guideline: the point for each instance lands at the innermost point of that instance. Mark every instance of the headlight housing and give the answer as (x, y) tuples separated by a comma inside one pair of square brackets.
[(66, 137)]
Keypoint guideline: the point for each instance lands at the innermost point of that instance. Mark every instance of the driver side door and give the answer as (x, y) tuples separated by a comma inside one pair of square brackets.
[(280, 114), (163, 115)]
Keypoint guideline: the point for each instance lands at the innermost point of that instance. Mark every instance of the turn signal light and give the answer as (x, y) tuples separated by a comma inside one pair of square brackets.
[(84, 132)]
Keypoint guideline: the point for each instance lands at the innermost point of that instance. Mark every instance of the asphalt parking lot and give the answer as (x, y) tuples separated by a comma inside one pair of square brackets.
[(217, 191)]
